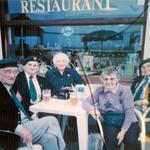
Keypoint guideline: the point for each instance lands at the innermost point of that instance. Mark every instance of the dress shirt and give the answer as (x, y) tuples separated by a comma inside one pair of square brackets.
[(37, 87)]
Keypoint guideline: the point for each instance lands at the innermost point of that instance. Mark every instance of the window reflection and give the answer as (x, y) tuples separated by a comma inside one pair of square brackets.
[(98, 46)]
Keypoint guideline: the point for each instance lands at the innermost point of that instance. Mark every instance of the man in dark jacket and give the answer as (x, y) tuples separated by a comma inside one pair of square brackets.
[(30, 70), (44, 131), (141, 85), (141, 89)]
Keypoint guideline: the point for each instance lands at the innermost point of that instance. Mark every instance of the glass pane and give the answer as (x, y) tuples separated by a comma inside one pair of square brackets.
[(72, 9), (97, 46)]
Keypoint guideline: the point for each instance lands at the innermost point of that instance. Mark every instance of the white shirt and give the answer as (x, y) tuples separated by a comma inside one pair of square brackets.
[(37, 87)]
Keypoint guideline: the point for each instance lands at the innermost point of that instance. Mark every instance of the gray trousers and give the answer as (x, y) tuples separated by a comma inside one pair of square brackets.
[(46, 131)]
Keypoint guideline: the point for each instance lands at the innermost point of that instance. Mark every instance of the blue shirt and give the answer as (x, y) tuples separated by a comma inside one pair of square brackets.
[(58, 81)]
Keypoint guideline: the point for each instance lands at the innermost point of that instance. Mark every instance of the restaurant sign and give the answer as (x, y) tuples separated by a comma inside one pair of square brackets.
[(41, 6), (65, 9)]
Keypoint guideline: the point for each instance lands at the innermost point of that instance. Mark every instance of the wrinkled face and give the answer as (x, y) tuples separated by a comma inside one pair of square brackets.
[(8, 75), (61, 63), (110, 82), (31, 67), (146, 69)]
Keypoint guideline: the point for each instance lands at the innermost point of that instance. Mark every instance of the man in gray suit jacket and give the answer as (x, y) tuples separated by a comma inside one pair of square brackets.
[(44, 131)]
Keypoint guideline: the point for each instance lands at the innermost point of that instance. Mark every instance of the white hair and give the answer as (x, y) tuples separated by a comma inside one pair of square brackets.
[(61, 55), (110, 70)]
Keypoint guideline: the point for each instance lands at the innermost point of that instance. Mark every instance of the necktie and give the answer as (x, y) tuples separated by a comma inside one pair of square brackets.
[(140, 91), (18, 103), (33, 94)]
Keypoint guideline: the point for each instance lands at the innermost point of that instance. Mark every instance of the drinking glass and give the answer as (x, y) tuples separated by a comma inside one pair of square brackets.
[(46, 95), (73, 98)]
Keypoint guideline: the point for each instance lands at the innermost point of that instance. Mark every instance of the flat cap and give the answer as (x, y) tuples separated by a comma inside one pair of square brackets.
[(8, 62), (30, 58), (144, 62)]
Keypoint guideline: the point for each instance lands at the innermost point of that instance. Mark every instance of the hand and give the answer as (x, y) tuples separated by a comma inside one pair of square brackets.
[(95, 113), (120, 136), (34, 116), (18, 95), (26, 135), (141, 102)]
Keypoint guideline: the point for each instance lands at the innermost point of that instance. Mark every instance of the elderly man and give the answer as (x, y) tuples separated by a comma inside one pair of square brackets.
[(29, 84), (141, 89), (44, 131), (141, 86)]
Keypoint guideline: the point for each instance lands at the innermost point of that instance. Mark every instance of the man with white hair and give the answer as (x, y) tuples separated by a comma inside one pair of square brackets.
[(61, 79), (61, 76)]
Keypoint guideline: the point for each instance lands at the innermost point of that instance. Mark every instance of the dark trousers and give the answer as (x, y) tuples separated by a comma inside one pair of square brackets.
[(130, 140)]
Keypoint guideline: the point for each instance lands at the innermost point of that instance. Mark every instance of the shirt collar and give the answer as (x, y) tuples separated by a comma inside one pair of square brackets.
[(65, 71), (8, 87), (114, 91), (28, 75)]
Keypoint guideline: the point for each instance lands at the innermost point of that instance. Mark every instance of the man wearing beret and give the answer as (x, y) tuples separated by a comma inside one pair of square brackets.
[(44, 131), (141, 89), (141, 85), (24, 79)]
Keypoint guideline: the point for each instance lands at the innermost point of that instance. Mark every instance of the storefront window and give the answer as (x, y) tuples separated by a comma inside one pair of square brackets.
[(100, 40), (98, 46)]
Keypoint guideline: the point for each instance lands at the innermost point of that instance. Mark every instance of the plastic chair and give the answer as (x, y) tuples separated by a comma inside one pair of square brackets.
[(44, 68), (138, 115), (143, 119), (142, 124)]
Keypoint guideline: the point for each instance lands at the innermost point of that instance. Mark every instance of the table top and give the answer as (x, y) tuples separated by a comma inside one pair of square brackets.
[(58, 106)]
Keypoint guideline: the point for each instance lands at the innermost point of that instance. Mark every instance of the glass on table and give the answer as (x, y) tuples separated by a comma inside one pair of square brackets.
[(73, 98), (46, 95)]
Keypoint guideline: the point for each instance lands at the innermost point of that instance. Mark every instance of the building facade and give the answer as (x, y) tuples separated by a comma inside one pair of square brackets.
[(100, 32)]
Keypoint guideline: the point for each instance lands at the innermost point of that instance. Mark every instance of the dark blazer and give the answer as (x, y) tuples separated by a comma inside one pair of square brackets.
[(22, 86), (9, 118), (135, 84)]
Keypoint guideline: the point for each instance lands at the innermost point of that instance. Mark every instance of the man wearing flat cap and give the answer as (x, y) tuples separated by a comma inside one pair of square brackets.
[(44, 131)]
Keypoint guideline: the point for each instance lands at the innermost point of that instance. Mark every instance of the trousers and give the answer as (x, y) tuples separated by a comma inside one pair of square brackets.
[(46, 132), (130, 140)]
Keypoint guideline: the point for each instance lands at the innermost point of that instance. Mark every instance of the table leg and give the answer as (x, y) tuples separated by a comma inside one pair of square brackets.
[(82, 124)]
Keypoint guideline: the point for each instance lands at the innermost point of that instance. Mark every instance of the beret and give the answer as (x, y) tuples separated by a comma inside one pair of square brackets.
[(144, 62), (30, 58), (8, 62)]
